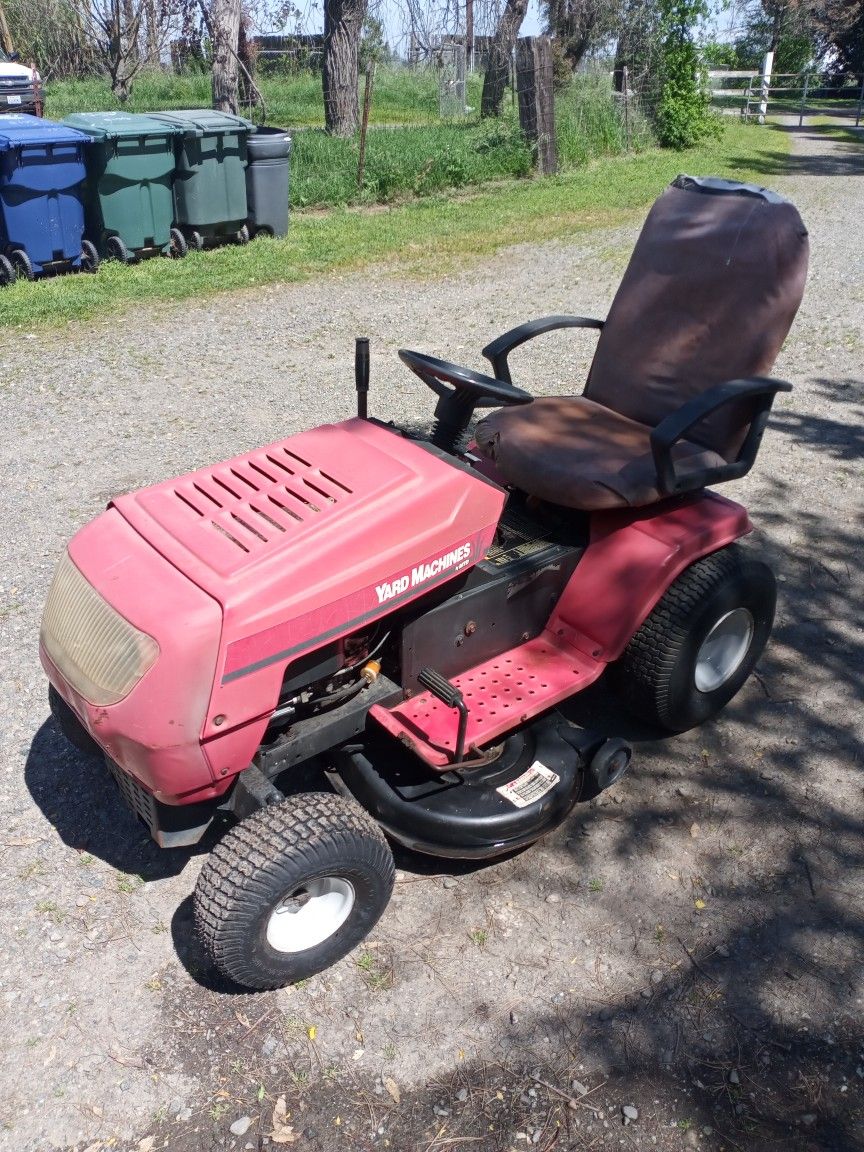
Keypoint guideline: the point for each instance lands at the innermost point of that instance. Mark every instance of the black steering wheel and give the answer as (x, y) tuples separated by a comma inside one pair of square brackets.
[(451, 381)]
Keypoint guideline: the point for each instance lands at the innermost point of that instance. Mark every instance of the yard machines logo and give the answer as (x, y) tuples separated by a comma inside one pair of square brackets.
[(456, 560)]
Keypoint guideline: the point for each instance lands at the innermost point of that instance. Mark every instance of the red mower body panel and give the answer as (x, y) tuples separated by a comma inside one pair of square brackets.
[(155, 731), (292, 545), (631, 559)]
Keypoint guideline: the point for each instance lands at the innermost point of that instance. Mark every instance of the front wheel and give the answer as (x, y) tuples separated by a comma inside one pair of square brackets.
[(292, 889), (701, 642)]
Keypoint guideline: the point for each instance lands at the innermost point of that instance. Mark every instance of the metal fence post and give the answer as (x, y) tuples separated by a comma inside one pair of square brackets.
[(804, 100), (767, 66), (626, 81), (860, 102)]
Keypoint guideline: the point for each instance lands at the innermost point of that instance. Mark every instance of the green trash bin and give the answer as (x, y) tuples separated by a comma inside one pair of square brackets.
[(129, 199), (210, 176)]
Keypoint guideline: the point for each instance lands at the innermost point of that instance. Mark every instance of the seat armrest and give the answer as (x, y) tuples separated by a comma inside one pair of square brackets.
[(675, 426), (498, 351)]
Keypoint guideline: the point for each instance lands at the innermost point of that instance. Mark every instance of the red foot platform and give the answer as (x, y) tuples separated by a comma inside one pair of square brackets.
[(501, 695)]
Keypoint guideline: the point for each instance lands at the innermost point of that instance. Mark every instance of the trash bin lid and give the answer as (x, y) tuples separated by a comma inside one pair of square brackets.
[(205, 121), (17, 130), (115, 125)]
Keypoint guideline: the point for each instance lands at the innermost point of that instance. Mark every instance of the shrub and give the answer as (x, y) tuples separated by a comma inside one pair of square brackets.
[(683, 116)]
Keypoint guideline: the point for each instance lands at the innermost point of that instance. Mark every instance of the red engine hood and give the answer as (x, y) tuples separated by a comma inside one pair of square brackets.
[(311, 537)]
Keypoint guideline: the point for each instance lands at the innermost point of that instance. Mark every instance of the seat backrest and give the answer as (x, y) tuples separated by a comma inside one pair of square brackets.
[(709, 295)]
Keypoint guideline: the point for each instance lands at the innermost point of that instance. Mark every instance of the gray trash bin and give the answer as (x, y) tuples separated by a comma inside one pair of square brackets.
[(267, 181)]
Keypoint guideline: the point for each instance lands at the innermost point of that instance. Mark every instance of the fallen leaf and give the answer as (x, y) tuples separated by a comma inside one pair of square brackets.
[(282, 1133), (698, 905), (243, 1019), (311, 1031), (146, 1144), (695, 831), (358, 1053), (50, 1056), (393, 1088), (96, 1110)]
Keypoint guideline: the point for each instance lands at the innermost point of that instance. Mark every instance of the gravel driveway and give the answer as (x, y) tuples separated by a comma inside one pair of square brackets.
[(689, 948)]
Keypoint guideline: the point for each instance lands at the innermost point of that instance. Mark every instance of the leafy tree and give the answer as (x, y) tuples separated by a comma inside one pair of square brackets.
[(781, 27), (581, 25), (683, 116)]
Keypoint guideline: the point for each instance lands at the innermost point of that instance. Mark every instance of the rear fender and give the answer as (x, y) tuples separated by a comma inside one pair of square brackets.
[(632, 558)]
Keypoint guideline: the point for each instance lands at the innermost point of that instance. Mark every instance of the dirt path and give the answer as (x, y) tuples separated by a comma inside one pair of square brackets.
[(691, 946)]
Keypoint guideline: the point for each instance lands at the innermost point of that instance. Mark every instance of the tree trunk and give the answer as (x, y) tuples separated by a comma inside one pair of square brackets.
[(5, 38), (224, 33), (248, 58), (343, 23), (500, 51), (153, 33)]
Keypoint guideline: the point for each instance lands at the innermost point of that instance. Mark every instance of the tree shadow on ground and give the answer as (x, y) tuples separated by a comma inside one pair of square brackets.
[(843, 157)]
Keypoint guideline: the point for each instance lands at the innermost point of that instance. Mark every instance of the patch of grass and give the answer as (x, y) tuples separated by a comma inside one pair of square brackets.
[(595, 885), (51, 910), (400, 96), (129, 883), (423, 237), (479, 936), (377, 974)]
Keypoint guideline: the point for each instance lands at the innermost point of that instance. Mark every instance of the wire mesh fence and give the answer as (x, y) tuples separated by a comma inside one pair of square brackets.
[(807, 95)]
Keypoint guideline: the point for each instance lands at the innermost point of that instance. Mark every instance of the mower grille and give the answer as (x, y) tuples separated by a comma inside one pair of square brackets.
[(260, 497), (135, 797)]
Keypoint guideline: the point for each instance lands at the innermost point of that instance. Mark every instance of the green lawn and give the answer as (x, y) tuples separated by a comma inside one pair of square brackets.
[(410, 150), (420, 237), (401, 96)]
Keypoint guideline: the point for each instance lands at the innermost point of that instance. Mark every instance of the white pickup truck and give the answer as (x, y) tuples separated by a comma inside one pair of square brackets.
[(20, 87)]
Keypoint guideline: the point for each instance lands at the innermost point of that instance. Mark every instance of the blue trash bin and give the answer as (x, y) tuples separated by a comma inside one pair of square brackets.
[(41, 197)]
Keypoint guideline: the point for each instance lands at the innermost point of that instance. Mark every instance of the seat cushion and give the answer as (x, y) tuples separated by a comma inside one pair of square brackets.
[(580, 454)]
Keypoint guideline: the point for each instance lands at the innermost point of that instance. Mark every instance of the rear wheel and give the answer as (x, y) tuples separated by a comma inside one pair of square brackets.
[(242, 236), (117, 250), (89, 257), (197, 241), (292, 889), (701, 642), (7, 272), (178, 247), (22, 265)]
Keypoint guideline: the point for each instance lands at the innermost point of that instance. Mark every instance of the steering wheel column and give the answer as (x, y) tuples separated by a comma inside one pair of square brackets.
[(460, 392)]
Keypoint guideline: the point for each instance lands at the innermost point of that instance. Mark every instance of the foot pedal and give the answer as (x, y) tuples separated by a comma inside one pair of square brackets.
[(443, 690)]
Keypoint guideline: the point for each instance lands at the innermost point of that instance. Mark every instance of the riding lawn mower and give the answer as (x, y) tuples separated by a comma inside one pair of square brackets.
[(395, 619)]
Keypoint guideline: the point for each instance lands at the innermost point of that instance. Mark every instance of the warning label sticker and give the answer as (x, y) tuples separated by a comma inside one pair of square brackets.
[(530, 787)]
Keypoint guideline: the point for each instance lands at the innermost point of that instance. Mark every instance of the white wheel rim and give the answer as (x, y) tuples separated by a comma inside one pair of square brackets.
[(723, 649), (310, 914)]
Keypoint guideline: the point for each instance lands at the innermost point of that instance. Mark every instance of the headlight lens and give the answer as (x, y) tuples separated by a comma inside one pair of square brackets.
[(98, 652)]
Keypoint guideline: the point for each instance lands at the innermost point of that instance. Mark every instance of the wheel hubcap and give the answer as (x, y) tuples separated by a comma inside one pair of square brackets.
[(723, 649), (310, 914)]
